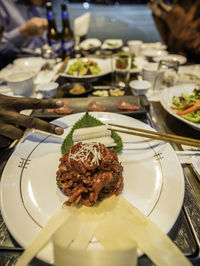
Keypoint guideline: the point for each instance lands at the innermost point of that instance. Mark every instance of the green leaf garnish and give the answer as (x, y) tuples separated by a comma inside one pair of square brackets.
[(89, 121)]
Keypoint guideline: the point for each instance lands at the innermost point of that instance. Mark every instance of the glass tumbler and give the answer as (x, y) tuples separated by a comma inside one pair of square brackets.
[(121, 65), (170, 69)]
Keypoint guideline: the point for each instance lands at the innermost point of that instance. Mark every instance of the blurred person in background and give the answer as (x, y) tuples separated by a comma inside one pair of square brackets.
[(23, 27), (13, 123), (179, 26)]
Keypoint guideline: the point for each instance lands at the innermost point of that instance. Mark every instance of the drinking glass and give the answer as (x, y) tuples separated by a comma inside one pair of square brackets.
[(121, 65), (170, 69), (166, 74)]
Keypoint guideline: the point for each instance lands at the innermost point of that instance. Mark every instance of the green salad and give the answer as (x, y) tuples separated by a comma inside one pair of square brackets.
[(89, 121), (82, 68), (188, 105)]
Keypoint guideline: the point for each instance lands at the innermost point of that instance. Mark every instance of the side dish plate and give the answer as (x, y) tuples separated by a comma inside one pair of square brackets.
[(153, 180), (166, 100), (104, 64)]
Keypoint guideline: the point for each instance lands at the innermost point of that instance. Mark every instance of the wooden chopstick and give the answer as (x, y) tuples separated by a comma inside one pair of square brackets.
[(157, 135), (65, 61)]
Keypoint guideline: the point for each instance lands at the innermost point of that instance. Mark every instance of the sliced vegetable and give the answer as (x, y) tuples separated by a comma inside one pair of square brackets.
[(89, 121), (193, 108)]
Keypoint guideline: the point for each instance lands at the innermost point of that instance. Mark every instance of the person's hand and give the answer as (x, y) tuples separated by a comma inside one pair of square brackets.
[(34, 27), (159, 10), (11, 119)]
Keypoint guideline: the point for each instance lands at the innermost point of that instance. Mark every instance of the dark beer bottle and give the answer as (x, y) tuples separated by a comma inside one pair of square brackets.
[(67, 35), (53, 35)]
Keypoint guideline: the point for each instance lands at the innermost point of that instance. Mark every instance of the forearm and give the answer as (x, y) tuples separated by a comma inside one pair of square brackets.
[(11, 41), (183, 30), (162, 28)]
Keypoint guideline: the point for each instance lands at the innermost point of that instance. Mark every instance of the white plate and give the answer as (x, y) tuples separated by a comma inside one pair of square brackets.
[(153, 180), (104, 64), (90, 43), (180, 58), (166, 100), (154, 52), (33, 64), (154, 45), (140, 62), (188, 74), (112, 44)]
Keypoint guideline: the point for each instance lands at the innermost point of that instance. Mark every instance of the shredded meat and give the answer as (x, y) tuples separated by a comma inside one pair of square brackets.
[(88, 178)]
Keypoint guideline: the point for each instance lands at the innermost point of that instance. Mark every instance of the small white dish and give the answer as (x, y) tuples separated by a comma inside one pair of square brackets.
[(154, 45), (48, 90), (180, 58), (32, 64), (90, 43), (154, 53), (139, 87), (112, 44)]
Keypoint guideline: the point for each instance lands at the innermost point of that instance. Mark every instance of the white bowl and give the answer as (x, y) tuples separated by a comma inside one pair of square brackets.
[(21, 83), (139, 87), (90, 43), (48, 90), (154, 53)]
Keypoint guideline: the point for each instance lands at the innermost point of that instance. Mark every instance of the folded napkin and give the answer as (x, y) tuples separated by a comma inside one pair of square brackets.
[(81, 24), (190, 157), (185, 157)]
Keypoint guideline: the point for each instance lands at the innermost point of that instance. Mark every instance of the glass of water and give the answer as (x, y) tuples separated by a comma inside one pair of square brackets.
[(170, 69), (121, 65)]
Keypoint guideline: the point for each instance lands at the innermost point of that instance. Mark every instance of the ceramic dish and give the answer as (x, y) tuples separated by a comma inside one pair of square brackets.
[(154, 53), (33, 64), (153, 180), (139, 87), (104, 64), (112, 44), (76, 89), (166, 100), (154, 45), (90, 44), (181, 59)]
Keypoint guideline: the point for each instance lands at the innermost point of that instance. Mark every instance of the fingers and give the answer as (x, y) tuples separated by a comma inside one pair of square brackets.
[(10, 131), (4, 142), (33, 103), (32, 122)]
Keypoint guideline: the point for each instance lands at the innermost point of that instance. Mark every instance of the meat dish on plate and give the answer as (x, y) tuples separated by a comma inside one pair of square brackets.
[(89, 172)]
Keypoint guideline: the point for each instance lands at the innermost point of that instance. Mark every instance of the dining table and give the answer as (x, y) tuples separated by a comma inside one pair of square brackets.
[(186, 231)]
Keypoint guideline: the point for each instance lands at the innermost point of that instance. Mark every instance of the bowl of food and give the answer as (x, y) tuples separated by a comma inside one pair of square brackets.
[(76, 89)]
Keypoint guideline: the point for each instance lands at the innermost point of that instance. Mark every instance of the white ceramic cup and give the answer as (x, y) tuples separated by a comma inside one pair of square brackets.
[(21, 83), (139, 87), (48, 90), (150, 73), (135, 46)]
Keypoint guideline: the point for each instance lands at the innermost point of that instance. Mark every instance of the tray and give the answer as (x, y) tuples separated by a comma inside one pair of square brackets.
[(80, 105)]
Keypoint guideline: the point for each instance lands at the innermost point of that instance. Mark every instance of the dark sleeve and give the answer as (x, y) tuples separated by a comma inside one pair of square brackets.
[(185, 31), (163, 29)]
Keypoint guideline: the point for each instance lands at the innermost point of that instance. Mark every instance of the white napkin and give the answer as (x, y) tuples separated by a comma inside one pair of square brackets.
[(190, 157), (81, 24), (185, 157)]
